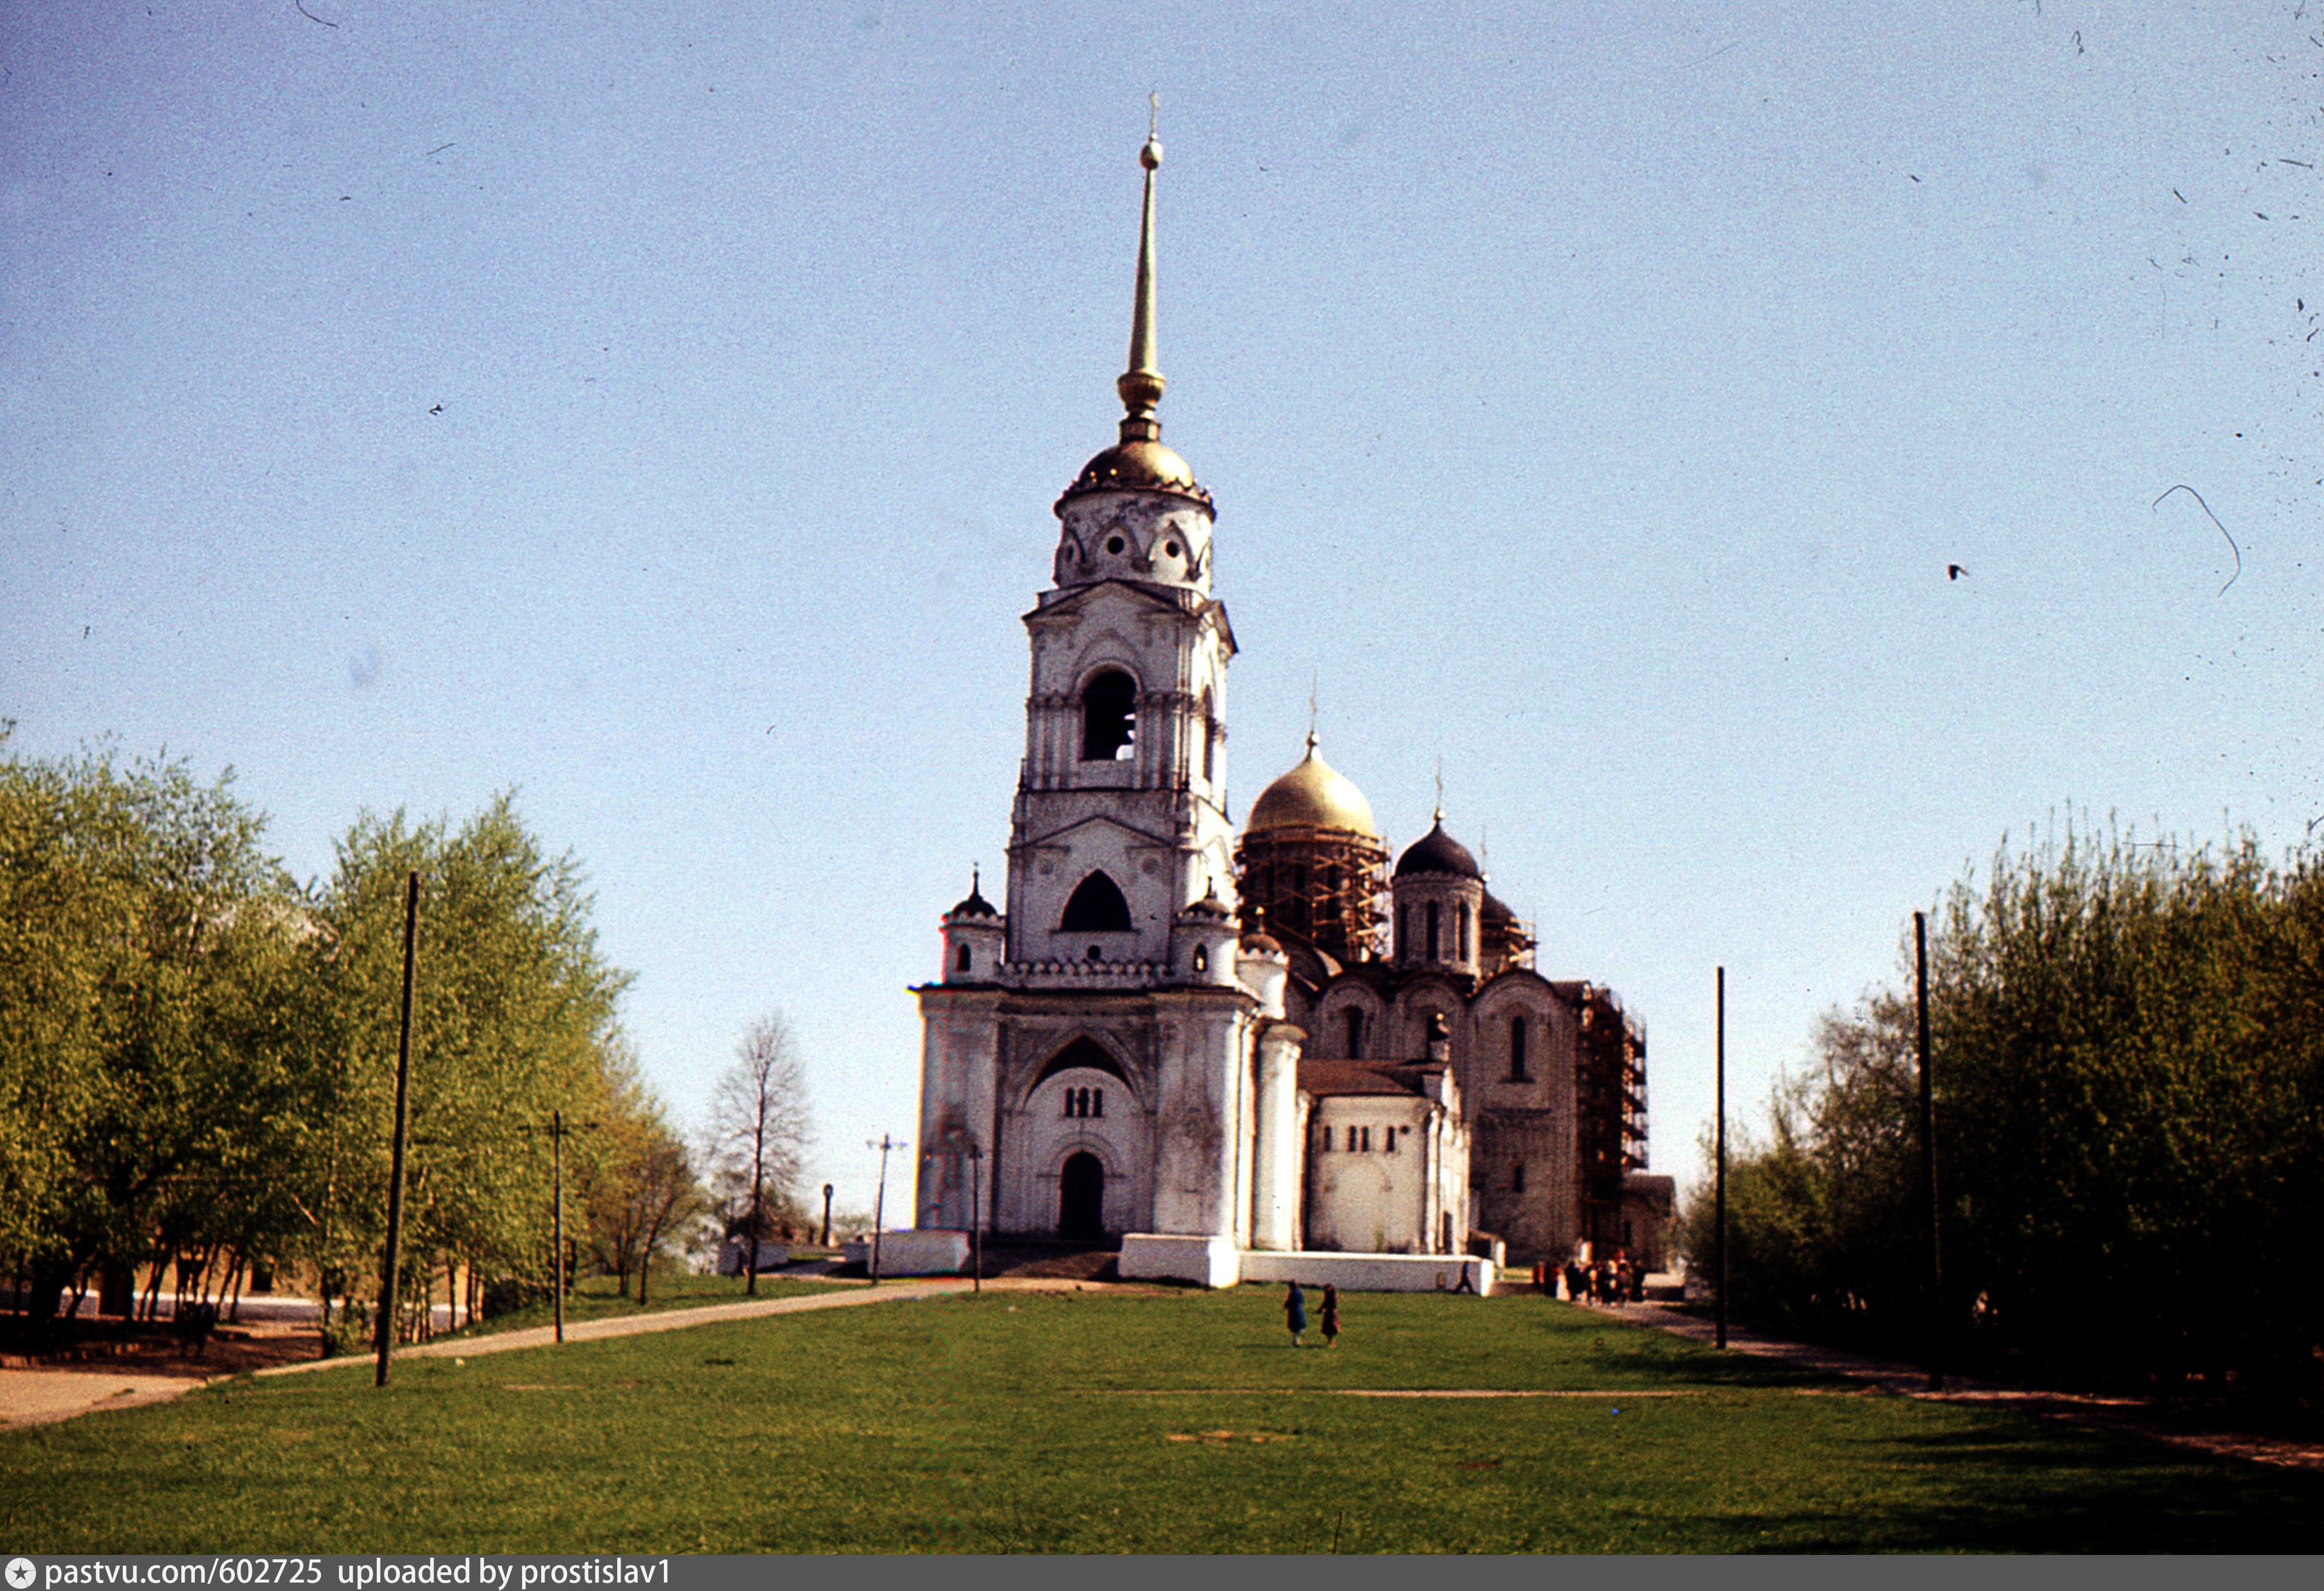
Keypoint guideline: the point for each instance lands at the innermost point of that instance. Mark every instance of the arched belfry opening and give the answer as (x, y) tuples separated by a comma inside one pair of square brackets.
[(1109, 716), (1081, 1197), (1097, 906)]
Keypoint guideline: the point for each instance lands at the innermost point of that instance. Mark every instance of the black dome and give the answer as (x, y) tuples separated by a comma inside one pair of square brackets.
[(1437, 852), (975, 905)]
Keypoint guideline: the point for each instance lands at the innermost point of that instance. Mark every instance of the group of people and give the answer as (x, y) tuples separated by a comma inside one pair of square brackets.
[(1294, 1314), (1608, 1282)]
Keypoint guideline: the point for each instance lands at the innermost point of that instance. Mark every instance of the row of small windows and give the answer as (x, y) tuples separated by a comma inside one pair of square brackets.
[(1109, 721), (1360, 1139), (1085, 1102), (1433, 925), (1352, 1021)]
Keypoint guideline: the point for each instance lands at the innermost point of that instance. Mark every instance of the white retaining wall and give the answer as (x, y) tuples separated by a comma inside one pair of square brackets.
[(920, 1252)]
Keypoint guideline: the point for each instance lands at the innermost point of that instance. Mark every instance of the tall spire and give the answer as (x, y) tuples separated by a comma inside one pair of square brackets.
[(1141, 385)]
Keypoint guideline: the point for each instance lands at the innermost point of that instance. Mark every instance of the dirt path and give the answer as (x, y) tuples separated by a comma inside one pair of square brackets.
[(2139, 1416)]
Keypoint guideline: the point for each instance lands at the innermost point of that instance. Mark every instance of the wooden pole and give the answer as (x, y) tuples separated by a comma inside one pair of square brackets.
[(395, 1158), (1936, 1314), (557, 1163), (1720, 1180)]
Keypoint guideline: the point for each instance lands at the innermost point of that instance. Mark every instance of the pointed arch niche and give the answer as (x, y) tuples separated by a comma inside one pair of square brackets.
[(1097, 906)]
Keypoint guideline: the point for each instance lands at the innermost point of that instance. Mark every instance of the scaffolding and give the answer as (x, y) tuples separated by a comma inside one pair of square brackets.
[(1610, 1111), (1320, 886)]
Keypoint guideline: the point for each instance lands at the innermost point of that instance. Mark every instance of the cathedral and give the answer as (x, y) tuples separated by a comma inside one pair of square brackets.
[(1224, 1051)]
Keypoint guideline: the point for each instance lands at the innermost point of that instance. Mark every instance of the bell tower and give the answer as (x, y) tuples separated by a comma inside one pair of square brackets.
[(1110, 1054), (1120, 817)]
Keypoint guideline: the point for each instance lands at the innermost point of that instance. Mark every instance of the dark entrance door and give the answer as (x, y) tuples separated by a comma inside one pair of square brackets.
[(1081, 1197)]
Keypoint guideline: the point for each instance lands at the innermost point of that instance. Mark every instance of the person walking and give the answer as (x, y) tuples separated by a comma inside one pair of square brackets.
[(1331, 1316), (1294, 1313)]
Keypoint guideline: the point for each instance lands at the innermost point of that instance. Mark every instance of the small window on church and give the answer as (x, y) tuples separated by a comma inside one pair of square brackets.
[(1354, 1018), (1462, 953), (1435, 942), (1517, 1178), (1097, 1103), (1517, 1073), (1209, 731), (1109, 717), (1368, 1140), (961, 961), (1390, 1146), (1404, 932), (1114, 545), (1201, 959)]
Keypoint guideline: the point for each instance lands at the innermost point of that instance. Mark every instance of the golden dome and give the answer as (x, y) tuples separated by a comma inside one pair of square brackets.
[(1312, 796), (1137, 466)]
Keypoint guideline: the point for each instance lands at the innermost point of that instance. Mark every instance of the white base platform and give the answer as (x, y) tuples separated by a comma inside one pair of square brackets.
[(919, 1252), (1158, 1256), (1216, 1262), (1372, 1273)]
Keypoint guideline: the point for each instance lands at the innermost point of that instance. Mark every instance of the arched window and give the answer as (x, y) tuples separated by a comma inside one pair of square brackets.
[(1109, 716), (1201, 959), (1403, 932), (1518, 1050), (1436, 943), (1209, 740), (961, 962), (1097, 906), (1463, 934), (1517, 1178), (1354, 1018), (1097, 1103)]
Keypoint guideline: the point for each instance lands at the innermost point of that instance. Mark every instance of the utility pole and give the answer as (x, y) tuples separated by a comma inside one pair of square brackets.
[(826, 1216), (976, 1212), (880, 1201), (1719, 1198), (1929, 1152), (557, 1163), (396, 1159)]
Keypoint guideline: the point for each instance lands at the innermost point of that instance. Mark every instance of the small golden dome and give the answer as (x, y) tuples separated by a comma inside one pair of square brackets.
[(1137, 466), (1311, 796)]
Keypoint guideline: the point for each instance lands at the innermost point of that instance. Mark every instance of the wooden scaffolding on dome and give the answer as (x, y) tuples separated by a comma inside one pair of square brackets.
[(1320, 886)]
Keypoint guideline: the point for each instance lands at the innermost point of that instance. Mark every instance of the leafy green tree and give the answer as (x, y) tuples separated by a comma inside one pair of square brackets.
[(2128, 1047)]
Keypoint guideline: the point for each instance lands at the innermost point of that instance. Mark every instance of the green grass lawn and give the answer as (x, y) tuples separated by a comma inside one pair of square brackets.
[(1107, 1421)]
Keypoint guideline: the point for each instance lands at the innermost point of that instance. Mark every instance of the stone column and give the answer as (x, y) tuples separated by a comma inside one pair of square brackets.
[(1274, 1184)]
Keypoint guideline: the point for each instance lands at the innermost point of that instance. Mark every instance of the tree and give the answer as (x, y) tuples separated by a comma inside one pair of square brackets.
[(148, 949), (642, 1188), (2128, 1046), (760, 1131)]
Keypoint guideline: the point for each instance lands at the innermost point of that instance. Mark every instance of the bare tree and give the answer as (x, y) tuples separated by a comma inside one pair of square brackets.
[(759, 1129)]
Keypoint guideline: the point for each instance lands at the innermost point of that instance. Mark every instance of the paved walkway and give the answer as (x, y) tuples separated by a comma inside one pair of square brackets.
[(2140, 1416)]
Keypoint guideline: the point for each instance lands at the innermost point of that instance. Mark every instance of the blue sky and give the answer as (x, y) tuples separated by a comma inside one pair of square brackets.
[(656, 411)]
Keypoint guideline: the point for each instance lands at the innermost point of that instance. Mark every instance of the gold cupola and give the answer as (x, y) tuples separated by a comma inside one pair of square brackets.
[(1312, 863), (1313, 796), (1139, 462)]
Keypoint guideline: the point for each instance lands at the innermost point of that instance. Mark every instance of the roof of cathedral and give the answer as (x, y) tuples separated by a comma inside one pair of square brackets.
[(1322, 1079), (1437, 852), (1311, 796), (1138, 462)]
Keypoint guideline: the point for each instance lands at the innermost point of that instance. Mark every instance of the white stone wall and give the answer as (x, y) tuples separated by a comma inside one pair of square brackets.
[(1375, 1200)]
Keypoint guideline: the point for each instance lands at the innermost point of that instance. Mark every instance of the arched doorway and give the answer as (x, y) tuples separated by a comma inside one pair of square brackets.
[(1081, 1197)]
